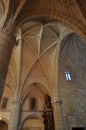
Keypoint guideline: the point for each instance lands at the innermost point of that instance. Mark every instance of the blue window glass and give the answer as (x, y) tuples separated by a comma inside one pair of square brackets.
[(68, 76)]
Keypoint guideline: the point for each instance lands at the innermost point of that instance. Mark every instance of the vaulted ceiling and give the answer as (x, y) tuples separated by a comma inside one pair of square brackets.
[(38, 21), (14, 13), (35, 57)]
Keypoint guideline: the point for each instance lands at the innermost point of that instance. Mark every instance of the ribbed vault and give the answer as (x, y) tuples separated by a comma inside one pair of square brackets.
[(34, 58), (70, 12)]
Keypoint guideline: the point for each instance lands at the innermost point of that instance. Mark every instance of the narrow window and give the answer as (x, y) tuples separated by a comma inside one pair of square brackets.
[(4, 103), (33, 103), (68, 76)]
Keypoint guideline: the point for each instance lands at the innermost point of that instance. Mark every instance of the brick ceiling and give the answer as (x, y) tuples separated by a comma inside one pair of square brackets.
[(82, 6), (70, 12), (24, 6)]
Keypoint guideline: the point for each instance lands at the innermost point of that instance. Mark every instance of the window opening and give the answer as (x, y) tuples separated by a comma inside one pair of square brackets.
[(33, 103), (68, 76), (4, 103)]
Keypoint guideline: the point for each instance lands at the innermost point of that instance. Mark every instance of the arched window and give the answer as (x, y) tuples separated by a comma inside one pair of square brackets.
[(4, 103), (68, 76), (33, 104)]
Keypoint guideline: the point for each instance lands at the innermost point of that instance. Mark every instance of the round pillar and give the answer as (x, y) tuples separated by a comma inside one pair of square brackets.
[(57, 115), (7, 41), (57, 107), (14, 117)]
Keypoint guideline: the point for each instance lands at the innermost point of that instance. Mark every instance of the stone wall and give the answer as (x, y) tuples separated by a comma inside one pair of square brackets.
[(73, 92)]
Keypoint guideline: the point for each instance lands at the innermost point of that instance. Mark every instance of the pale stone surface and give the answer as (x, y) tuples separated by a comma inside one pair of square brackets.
[(44, 50)]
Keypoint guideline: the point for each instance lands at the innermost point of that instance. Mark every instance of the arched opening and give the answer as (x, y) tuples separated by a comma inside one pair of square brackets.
[(33, 104), (33, 124), (4, 103), (3, 125), (40, 111), (71, 61)]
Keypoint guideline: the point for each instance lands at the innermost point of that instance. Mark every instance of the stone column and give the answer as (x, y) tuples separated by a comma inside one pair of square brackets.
[(55, 94), (14, 116), (56, 104), (7, 41)]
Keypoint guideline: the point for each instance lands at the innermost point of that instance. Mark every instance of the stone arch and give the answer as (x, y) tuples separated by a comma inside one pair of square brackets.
[(37, 117), (33, 120), (55, 11), (72, 59), (67, 53), (41, 91), (40, 86), (3, 125), (25, 88), (29, 81), (78, 28), (4, 120)]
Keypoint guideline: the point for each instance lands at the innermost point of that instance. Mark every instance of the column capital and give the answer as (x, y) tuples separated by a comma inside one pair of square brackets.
[(56, 100), (16, 100)]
